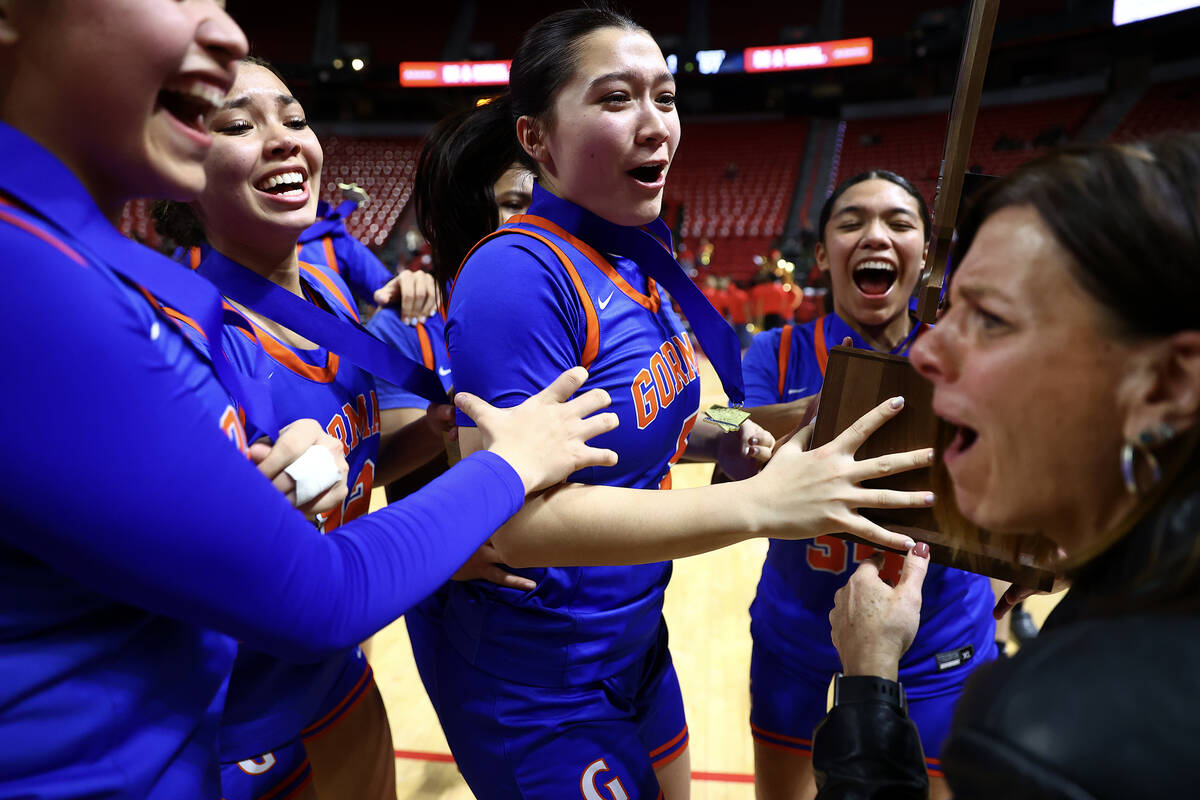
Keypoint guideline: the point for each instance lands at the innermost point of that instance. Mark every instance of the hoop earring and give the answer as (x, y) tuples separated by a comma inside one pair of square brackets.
[(1151, 437)]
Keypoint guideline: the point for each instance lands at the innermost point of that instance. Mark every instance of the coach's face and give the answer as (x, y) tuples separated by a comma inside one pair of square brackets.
[(1028, 372), (264, 170)]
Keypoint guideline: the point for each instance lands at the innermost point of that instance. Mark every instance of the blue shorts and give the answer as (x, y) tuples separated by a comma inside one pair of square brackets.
[(285, 770), (787, 703), (603, 739)]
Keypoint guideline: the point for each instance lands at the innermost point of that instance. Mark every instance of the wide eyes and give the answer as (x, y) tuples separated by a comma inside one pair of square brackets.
[(621, 97)]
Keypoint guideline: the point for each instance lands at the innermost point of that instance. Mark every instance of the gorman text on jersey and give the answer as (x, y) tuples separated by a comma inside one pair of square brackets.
[(671, 367)]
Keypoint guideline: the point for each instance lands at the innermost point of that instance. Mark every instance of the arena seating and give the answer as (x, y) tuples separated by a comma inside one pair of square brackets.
[(912, 146), (732, 183), (385, 168), (1164, 107), (135, 221)]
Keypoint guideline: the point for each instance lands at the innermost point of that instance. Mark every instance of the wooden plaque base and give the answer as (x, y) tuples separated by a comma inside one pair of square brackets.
[(855, 382)]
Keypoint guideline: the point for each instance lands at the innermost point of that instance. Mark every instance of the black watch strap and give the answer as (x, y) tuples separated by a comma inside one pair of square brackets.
[(868, 688)]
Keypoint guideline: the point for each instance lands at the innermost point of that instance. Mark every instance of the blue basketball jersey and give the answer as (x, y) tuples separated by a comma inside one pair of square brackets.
[(335, 249), (530, 302), (790, 613), (326, 245), (424, 343), (97, 697), (270, 701), (133, 530)]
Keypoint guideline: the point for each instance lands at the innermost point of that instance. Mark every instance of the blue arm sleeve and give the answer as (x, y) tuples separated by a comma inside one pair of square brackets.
[(125, 483), (515, 323), (760, 370), (387, 326), (363, 271)]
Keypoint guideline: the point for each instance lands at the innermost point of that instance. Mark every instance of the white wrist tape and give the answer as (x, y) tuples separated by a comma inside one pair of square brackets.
[(314, 472)]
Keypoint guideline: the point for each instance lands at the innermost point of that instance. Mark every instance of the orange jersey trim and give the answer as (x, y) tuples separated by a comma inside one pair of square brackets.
[(783, 748), (330, 256), (785, 352), (185, 319), (426, 346), (650, 301), (331, 286), (819, 346), (757, 730), (670, 744), (286, 358), (194, 257), (172, 313), (591, 346), (348, 702), (282, 792), (662, 762), (46, 237)]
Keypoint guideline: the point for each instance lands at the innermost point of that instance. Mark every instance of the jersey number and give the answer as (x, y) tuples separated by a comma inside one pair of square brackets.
[(357, 502), (831, 554)]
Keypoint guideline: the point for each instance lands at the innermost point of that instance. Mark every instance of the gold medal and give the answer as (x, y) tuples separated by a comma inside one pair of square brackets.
[(729, 419)]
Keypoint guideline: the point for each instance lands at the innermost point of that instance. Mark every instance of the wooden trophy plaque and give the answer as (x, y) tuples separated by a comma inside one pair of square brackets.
[(855, 382), (858, 380)]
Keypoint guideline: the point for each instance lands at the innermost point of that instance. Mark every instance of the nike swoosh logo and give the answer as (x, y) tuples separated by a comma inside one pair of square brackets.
[(604, 302), (443, 372), (795, 391)]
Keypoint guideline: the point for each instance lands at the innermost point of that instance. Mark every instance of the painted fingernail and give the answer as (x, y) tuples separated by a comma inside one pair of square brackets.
[(931, 457), (929, 498), (897, 402), (921, 550), (909, 544)]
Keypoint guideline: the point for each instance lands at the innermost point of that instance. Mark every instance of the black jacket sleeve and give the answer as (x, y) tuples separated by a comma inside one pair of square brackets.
[(868, 751)]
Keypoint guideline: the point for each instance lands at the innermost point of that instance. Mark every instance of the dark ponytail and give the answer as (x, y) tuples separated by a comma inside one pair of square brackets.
[(461, 160), (177, 223)]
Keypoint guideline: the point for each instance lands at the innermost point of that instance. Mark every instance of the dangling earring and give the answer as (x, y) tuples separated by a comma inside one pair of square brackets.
[(1151, 437)]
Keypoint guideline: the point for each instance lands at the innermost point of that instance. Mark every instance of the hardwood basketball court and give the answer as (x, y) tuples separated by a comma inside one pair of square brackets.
[(707, 612)]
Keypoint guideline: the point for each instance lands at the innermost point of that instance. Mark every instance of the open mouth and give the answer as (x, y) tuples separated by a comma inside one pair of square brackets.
[(283, 184), (961, 440), (189, 101), (874, 277), (647, 173)]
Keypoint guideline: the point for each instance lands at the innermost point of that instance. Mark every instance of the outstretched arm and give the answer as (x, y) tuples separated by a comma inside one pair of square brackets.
[(799, 494)]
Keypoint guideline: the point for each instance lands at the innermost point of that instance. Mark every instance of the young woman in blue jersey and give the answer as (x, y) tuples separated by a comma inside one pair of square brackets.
[(132, 567), (569, 687), (873, 235), (466, 155), (260, 196)]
